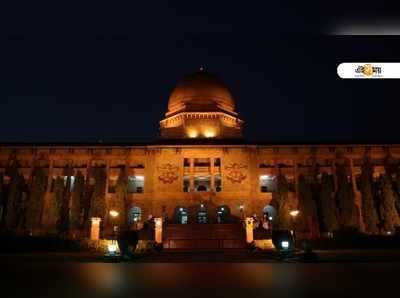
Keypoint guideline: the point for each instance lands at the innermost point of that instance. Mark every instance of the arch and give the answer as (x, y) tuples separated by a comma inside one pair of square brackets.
[(201, 188), (181, 215), (223, 214), (134, 215)]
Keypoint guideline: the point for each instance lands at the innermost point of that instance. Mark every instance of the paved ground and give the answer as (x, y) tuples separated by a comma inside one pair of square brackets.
[(228, 256), (210, 279)]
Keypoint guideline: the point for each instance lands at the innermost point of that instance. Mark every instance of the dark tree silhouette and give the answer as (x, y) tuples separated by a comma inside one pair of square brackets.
[(35, 205), (281, 195), (328, 204), (307, 207), (98, 201), (77, 200), (345, 198), (121, 198), (390, 218), (368, 210)]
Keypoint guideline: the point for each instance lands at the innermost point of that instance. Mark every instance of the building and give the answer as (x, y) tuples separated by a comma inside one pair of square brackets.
[(200, 170)]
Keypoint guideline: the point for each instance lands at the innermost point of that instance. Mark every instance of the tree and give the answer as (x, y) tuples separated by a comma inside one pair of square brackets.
[(390, 218), (368, 210), (345, 198), (98, 201), (307, 207), (58, 200), (121, 197), (281, 195), (328, 204), (14, 199), (77, 201), (2, 198), (36, 199)]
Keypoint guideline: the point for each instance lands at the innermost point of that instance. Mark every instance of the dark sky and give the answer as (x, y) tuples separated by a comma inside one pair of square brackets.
[(84, 73)]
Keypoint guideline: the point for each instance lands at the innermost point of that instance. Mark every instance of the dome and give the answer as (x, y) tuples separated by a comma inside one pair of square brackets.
[(200, 91)]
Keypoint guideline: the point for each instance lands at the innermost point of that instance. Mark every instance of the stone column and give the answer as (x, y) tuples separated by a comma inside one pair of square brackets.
[(212, 174), (158, 230), (95, 228), (191, 174), (249, 230)]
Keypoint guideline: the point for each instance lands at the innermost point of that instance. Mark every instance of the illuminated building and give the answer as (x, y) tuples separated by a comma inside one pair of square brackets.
[(200, 170)]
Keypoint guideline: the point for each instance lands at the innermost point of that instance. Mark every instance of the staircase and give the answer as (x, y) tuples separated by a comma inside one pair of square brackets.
[(204, 236)]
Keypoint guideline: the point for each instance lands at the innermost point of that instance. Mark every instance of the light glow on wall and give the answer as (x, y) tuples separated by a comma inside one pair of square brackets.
[(209, 133), (192, 133)]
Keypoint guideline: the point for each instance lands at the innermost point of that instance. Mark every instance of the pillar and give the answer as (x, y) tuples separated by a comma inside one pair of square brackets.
[(158, 230), (249, 230), (95, 228), (191, 174)]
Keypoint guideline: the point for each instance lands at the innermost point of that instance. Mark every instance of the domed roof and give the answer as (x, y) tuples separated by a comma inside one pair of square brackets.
[(202, 92)]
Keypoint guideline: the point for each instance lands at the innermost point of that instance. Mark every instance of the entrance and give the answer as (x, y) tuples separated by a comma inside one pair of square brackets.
[(181, 215), (223, 214), (202, 214)]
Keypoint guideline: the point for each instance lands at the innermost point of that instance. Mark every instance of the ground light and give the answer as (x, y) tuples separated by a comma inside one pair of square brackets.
[(285, 244), (112, 249)]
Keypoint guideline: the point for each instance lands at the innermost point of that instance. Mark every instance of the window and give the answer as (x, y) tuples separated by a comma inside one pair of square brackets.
[(186, 162), (217, 162), (135, 184), (186, 183), (218, 183), (267, 183)]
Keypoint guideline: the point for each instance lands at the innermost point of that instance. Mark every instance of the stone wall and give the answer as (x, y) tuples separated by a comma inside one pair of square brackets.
[(163, 169)]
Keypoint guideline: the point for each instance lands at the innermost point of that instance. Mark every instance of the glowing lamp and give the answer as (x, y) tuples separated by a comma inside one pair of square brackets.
[(114, 213), (294, 213), (112, 249), (285, 244), (192, 133), (209, 134), (270, 218)]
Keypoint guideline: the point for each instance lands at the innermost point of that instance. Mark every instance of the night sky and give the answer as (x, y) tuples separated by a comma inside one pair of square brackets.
[(89, 73)]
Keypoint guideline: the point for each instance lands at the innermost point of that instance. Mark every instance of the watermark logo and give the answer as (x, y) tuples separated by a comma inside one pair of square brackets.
[(369, 70)]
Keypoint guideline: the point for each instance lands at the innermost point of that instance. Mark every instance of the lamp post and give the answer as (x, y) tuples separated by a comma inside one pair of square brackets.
[(114, 214), (293, 215)]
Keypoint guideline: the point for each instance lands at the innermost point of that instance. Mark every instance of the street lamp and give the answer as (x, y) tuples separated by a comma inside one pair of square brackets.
[(114, 214)]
